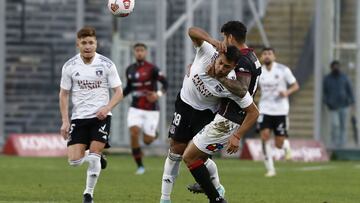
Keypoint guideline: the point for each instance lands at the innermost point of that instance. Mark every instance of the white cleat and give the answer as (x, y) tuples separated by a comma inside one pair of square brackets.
[(140, 170), (165, 201), (270, 174), (288, 156)]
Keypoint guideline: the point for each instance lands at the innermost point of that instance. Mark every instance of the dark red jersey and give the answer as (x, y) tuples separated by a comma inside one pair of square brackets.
[(142, 77), (248, 65)]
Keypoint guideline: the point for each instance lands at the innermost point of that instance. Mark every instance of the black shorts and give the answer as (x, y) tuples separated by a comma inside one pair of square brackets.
[(278, 124), (83, 131), (187, 121)]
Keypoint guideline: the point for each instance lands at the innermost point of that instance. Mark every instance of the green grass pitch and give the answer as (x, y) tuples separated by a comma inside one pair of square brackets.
[(53, 180)]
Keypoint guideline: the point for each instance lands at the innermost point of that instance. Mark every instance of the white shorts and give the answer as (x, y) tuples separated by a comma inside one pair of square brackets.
[(215, 135), (144, 119)]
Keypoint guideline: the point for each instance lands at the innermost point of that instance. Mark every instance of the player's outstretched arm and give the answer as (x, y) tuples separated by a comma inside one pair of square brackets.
[(198, 36), (64, 111), (252, 114)]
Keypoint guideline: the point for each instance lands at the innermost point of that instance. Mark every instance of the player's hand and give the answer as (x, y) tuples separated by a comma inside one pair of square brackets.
[(210, 70), (220, 46), (233, 144), (283, 94), (64, 130), (102, 113), (152, 97)]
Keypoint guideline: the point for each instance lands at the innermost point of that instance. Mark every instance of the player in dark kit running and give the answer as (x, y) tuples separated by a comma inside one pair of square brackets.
[(143, 115)]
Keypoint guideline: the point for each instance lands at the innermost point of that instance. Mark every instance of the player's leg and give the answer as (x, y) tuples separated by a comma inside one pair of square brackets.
[(135, 122), (150, 126), (94, 169), (171, 169), (281, 135), (99, 133), (265, 126), (77, 142), (195, 161)]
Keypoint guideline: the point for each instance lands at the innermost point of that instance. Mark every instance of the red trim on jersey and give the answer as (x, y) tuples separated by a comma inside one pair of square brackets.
[(246, 50)]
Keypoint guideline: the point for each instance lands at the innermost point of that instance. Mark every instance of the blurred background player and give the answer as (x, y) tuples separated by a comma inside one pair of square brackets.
[(88, 76), (338, 96), (277, 83), (143, 115)]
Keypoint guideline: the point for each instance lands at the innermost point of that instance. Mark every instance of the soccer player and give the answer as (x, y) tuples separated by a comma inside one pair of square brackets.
[(227, 128), (195, 106), (143, 115), (276, 83), (247, 74), (88, 76)]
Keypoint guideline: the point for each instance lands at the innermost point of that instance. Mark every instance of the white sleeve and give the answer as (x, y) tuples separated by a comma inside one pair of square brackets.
[(205, 52), (243, 102), (66, 81), (113, 77), (289, 77)]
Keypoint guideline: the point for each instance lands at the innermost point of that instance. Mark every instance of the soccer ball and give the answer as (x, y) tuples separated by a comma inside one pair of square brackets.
[(121, 8)]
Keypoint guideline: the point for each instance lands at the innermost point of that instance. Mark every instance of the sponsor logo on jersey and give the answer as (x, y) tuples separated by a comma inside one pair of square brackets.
[(200, 86), (87, 84), (214, 147), (77, 74)]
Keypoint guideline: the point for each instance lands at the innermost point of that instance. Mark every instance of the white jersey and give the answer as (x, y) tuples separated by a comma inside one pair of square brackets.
[(89, 84), (193, 91), (218, 90), (272, 82)]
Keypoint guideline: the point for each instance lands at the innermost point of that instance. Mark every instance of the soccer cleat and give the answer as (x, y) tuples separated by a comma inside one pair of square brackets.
[(288, 156), (219, 200), (196, 188), (165, 201), (88, 198), (103, 161), (140, 170), (270, 174)]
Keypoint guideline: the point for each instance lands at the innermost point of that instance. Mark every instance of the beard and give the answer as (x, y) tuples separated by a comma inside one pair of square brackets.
[(267, 62)]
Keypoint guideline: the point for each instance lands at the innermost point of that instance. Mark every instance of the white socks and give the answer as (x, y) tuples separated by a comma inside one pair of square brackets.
[(171, 171), (214, 175), (79, 162), (286, 145), (93, 172), (268, 156)]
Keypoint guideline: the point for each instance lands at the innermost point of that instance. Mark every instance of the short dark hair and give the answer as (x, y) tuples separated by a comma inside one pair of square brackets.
[(139, 44), (233, 54), (87, 31), (268, 49), (334, 62), (237, 29)]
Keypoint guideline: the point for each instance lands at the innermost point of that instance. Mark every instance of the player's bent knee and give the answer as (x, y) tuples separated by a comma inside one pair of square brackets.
[(148, 140)]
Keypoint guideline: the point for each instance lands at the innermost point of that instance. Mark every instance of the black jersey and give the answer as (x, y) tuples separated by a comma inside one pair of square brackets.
[(142, 77), (248, 64)]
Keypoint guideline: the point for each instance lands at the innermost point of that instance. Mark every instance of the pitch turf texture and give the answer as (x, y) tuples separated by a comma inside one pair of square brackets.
[(52, 180)]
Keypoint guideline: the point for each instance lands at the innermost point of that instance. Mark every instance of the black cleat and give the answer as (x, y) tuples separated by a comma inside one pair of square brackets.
[(103, 161), (219, 200), (195, 188), (88, 198)]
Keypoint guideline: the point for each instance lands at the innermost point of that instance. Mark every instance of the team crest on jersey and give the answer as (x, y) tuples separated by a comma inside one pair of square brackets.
[(214, 147), (172, 129), (99, 73), (219, 88)]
